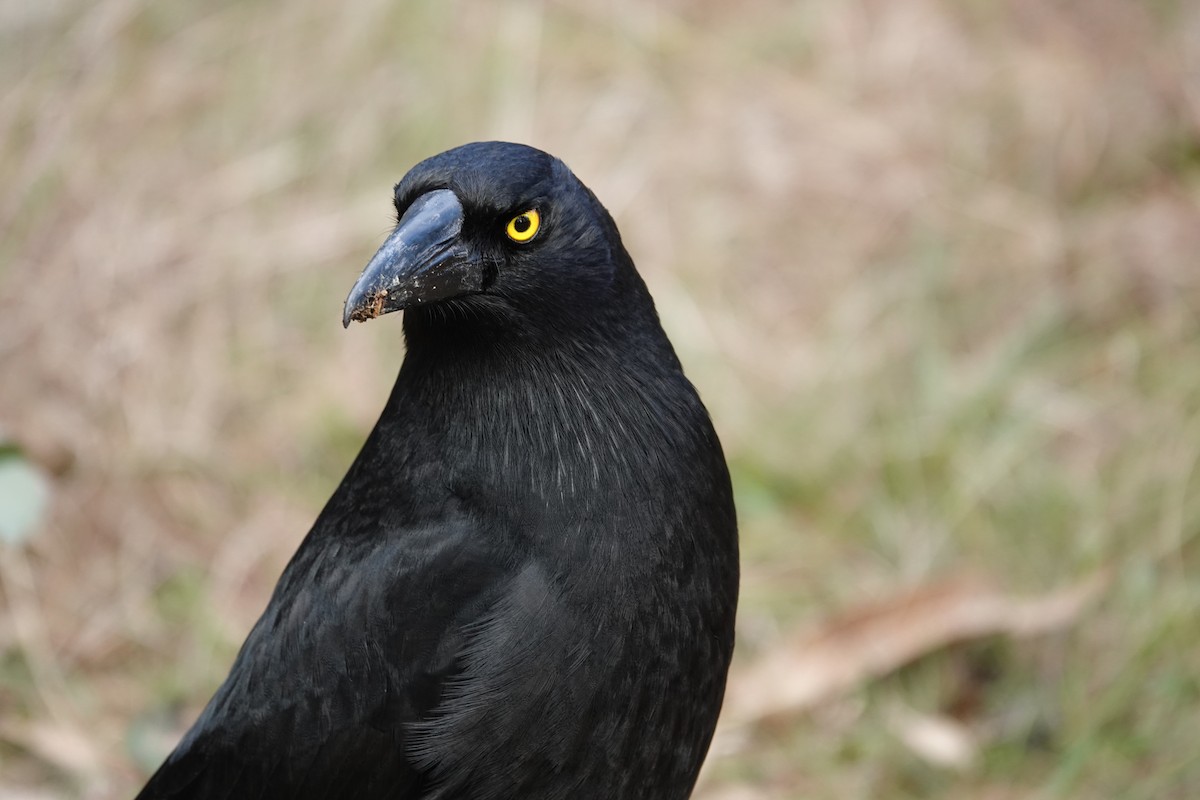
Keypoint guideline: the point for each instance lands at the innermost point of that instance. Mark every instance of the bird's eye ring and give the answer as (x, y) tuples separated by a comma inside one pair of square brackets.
[(524, 226)]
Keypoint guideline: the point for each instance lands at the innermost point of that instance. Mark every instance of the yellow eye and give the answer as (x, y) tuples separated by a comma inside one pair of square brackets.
[(523, 227)]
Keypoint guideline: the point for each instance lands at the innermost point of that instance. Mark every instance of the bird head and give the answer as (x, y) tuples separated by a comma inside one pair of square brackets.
[(489, 220)]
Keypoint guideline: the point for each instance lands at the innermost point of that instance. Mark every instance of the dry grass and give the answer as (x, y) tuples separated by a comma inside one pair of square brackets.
[(935, 267)]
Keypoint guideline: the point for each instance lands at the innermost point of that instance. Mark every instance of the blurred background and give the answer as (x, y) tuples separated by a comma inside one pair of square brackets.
[(934, 266)]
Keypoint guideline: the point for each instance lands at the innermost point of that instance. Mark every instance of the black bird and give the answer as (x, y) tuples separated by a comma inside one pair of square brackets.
[(525, 585)]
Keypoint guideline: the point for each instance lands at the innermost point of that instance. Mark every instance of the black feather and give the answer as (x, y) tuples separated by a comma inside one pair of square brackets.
[(525, 585)]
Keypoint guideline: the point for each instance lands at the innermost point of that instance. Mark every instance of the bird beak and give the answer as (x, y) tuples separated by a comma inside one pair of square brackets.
[(422, 261)]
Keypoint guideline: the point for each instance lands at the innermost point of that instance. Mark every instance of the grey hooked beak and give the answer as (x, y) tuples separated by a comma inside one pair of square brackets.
[(423, 260)]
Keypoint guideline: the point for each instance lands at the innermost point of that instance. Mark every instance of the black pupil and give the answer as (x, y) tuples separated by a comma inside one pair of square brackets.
[(521, 224)]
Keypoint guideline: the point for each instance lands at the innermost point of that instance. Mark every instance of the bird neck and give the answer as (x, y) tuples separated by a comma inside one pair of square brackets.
[(531, 414)]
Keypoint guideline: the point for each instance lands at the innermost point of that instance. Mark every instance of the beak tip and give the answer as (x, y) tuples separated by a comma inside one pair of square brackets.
[(370, 305)]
